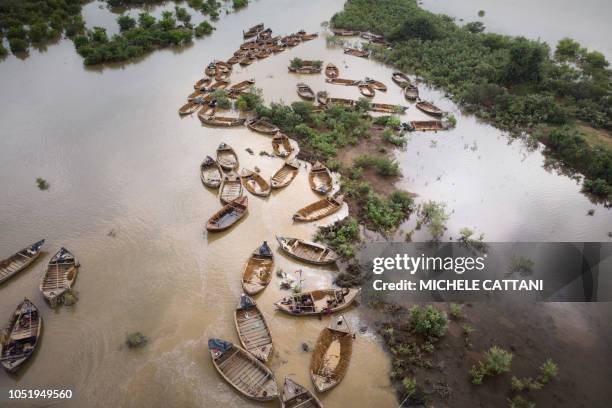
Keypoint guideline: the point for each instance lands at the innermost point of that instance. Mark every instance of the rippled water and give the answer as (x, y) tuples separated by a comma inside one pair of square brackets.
[(118, 158)]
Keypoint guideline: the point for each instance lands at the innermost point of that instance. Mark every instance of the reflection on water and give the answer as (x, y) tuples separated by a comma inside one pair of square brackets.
[(118, 158)]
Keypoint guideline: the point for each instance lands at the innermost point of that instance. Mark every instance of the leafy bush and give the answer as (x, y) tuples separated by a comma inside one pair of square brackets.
[(238, 4), (429, 321), (390, 136), (202, 29), (136, 340), (222, 98), (496, 361), (340, 236), (126, 22), (410, 386), (519, 402), (384, 166), (434, 215), (18, 45)]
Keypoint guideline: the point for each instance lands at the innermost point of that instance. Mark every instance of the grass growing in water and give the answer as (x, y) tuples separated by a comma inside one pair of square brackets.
[(496, 361), (42, 183), (136, 340)]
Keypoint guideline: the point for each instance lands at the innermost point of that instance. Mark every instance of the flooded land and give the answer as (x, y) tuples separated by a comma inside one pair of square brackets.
[(125, 197)]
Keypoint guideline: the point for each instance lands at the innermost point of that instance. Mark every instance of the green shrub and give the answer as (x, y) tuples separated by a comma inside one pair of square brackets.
[(410, 386), (496, 361), (548, 371), (340, 236), (384, 166), (222, 98), (434, 215), (18, 45), (202, 29), (126, 22), (238, 4), (519, 402), (136, 340), (429, 321)]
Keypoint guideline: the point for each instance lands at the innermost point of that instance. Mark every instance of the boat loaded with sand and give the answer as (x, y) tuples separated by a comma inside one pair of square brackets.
[(387, 108), (252, 329), (342, 81), (331, 355), (231, 188), (422, 125), (254, 183), (356, 53), (243, 371), (366, 90), (226, 157), (227, 216), (377, 85), (317, 302), (331, 71), (59, 276), (222, 121), (320, 179), (21, 336), (305, 92), (243, 85), (429, 108), (411, 92), (319, 209), (202, 83), (258, 270), (189, 108), (281, 145), (19, 260), (261, 126), (211, 173), (285, 174), (298, 396), (401, 79), (307, 251)]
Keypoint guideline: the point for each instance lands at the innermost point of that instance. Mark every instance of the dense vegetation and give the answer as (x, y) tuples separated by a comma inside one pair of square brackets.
[(515, 83)]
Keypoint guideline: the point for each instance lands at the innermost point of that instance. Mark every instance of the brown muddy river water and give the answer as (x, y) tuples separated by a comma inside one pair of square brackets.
[(118, 158)]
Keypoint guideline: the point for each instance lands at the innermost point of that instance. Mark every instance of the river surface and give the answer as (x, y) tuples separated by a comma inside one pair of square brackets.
[(125, 197)]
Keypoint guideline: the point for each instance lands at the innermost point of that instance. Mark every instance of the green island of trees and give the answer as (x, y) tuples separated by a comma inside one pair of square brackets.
[(562, 98)]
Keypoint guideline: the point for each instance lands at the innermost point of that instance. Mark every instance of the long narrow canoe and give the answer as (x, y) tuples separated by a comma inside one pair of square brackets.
[(307, 251), (262, 54), (320, 179), (305, 70), (341, 101), (377, 85), (258, 270), (401, 79), (356, 53), (429, 108), (254, 183), (248, 60), (222, 121), (21, 336), (241, 86), (317, 302), (342, 81), (285, 174), (262, 126), (235, 59), (332, 71), (411, 92), (305, 92), (252, 328), (298, 396), (331, 355), (226, 157), (281, 145), (345, 33), (60, 275), (387, 108), (231, 188), (422, 125), (19, 260), (211, 173), (189, 108), (319, 209), (202, 83), (227, 216), (253, 31), (243, 371), (366, 90)]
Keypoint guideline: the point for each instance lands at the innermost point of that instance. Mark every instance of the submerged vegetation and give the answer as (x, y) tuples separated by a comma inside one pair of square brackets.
[(515, 83), (136, 340)]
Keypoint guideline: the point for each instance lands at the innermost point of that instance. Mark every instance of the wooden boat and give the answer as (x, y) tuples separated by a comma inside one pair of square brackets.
[(356, 53), (305, 70), (189, 108), (429, 108), (264, 34), (411, 92), (366, 90), (254, 183), (19, 260), (262, 54), (305, 92), (213, 120), (211, 173), (332, 71), (377, 85), (202, 83), (297, 396), (285, 174), (223, 66), (331, 355), (246, 61), (59, 276), (249, 45), (281, 145), (252, 328), (222, 84), (231, 188), (258, 270), (253, 31), (387, 108), (371, 36), (319, 209), (206, 109), (229, 215), (222, 76), (341, 101), (345, 33), (322, 98), (307, 251), (401, 79), (199, 93), (241, 86), (422, 125), (320, 179), (210, 70), (341, 81), (261, 126), (226, 157), (21, 336), (244, 372), (235, 59), (308, 37), (317, 302), (278, 48)]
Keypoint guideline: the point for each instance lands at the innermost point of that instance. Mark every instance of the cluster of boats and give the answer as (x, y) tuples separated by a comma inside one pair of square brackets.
[(21, 336)]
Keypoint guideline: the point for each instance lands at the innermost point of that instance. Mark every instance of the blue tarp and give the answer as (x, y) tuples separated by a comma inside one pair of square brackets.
[(264, 250), (219, 345)]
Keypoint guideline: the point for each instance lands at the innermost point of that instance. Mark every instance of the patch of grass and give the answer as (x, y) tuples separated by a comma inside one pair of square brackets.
[(384, 166), (496, 361), (519, 402), (341, 236), (428, 321), (136, 340), (433, 214), (455, 311), (410, 386)]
